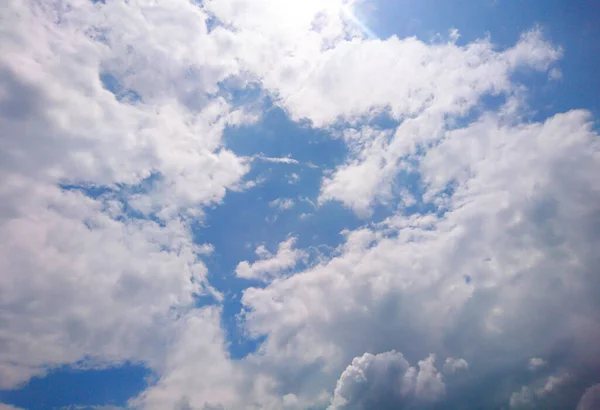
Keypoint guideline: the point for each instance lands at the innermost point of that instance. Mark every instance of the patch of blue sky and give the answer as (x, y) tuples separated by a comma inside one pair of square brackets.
[(67, 386), (489, 102), (239, 94), (212, 21), (412, 183), (91, 191), (275, 135), (120, 193), (111, 83), (316, 153), (248, 219)]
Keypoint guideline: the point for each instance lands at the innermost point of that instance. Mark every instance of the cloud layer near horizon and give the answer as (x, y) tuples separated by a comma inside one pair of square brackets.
[(111, 148)]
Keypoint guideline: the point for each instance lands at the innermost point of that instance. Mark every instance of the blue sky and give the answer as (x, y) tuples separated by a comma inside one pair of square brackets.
[(158, 155)]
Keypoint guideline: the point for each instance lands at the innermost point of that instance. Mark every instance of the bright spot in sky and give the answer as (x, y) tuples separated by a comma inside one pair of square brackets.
[(302, 14)]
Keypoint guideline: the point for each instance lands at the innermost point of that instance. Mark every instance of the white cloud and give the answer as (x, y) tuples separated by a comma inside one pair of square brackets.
[(277, 160), (270, 266), (8, 407), (346, 81), (451, 82), (282, 203), (530, 396), (453, 365), (520, 219), (96, 286), (522, 399), (83, 279), (293, 178), (387, 381), (114, 141), (536, 363), (197, 370)]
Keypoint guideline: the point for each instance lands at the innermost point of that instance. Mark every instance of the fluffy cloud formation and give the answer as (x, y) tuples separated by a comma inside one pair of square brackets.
[(452, 365), (172, 133), (197, 367), (95, 286), (111, 149), (451, 82), (536, 363), (517, 223), (532, 396), (102, 277), (270, 266), (387, 381)]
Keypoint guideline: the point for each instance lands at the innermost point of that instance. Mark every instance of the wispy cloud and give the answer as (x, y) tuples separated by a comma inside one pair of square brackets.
[(276, 160), (282, 203)]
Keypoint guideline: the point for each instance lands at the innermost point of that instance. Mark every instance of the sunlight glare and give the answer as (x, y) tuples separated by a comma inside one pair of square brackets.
[(304, 12)]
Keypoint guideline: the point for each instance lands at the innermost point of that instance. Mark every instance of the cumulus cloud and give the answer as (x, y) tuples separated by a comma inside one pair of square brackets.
[(92, 281), (387, 381), (531, 396), (452, 365), (270, 266), (111, 148), (428, 105), (83, 278), (451, 78), (536, 363), (197, 341), (517, 222)]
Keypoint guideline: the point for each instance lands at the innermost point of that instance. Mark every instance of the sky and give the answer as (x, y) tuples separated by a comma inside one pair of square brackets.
[(284, 204)]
